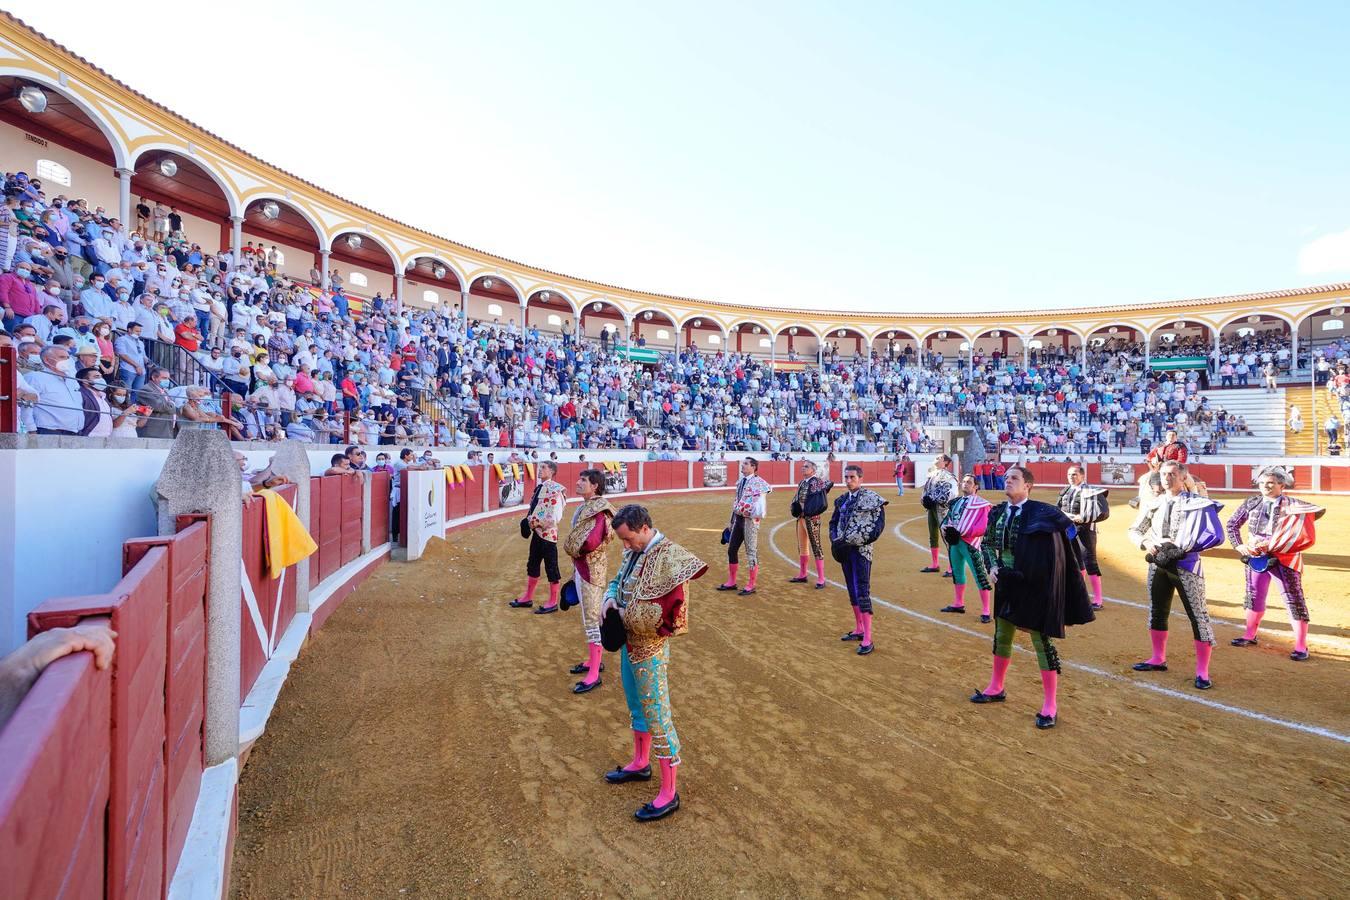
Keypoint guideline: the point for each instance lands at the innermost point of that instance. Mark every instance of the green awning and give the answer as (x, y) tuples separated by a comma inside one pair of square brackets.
[(1176, 363), (639, 354)]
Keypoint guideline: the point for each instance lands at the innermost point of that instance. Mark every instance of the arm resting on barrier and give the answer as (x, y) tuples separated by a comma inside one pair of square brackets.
[(20, 669)]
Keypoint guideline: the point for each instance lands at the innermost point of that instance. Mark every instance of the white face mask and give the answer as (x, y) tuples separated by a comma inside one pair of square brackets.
[(67, 367)]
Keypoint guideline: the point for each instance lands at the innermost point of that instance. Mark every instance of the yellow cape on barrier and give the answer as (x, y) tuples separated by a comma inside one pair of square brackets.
[(467, 471), (285, 540), (529, 467)]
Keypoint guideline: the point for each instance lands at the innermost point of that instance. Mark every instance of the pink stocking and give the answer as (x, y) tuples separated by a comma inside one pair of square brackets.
[(984, 603), (820, 571), (1096, 589), (592, 663), (866, 627), (1050, 684), (1202, 654), (530, 584), (934, 552), (667, 792), (960, 595), (1301, 635), (857, 621), (754, 577), (801, 570), (553, 589), (731, 574), (1253, 623), (1000, 672), (1159, 639), (642, 748)]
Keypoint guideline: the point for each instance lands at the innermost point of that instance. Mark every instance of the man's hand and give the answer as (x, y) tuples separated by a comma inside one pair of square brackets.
[(50, 646), (1150, 545), (610, 603)]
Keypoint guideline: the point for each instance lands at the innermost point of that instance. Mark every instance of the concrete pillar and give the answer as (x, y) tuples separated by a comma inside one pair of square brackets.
[(463, 305), (292, 461), (1293, 351), (200, 475), (398, 290), (1082, 346), (325, 264), (124, 198), (236, 236)]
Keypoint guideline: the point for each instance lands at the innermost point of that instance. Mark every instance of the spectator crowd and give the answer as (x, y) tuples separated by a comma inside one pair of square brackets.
[(141, 332)]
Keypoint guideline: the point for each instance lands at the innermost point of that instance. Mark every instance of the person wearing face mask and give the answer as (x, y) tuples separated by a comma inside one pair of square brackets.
[(60, 408), (18, 295), (46, 323), (131, 357), (97, 415), (94, 300), (155, 395), (127, 416)]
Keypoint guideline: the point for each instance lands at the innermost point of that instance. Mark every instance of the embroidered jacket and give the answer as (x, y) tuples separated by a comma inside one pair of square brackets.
[(859, 518), (751, 497), (941, 487), (548, 512), (813, 485)]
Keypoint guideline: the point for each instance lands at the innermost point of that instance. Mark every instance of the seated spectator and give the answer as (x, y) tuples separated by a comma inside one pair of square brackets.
[(339, 465), (195, 414), (155, 396)]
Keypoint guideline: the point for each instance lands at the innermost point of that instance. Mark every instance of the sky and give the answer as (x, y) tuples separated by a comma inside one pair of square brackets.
[(894, 156)]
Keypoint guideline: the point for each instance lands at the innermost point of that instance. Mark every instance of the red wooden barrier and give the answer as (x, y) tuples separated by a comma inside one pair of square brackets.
[(275, 598), (473, 496), (138, 611), (184, 677), (352, 505), (55, 783), (698, 474), (315, 513), (1214, 476), (329, 533), (380, 483), (1334, 478), (775, 472)]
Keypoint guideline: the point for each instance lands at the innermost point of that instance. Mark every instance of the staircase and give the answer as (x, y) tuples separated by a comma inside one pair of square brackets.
[(1265, 415), (1312, 438)]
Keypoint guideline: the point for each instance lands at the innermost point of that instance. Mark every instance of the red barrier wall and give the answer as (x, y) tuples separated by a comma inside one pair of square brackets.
[(184, 676), (55, 783), (275, 598), (138, 612), (380, 485), (353, 487)]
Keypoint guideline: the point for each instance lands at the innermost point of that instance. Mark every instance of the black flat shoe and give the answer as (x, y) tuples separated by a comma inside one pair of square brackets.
[(801, 580), (521, 604), (820, 586), (985, 620), (545, 610), (581, 668), (1149, 667), (582, 687), (1203, 684), (726, 587), (1299, 656), (953, 609), (649, 813), (864, 649), (1099, 606), (852, 636), (947, 574), (620, 775), (745, 593), (982, 697), (1045, 721), (929, 569), (1243, 642)]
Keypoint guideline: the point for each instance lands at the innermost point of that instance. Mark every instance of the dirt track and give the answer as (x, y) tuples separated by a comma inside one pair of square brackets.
[(427, 743)]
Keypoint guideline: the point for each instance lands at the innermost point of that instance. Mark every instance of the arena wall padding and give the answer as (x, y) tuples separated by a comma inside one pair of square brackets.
[(137, 609), (275, 597), (328, 535), (55, 783)]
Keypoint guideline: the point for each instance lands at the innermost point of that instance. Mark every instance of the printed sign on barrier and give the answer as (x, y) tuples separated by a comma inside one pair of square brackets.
[(715, 475), (1117, 473), (426, 514), (616, 482), (511, 492)]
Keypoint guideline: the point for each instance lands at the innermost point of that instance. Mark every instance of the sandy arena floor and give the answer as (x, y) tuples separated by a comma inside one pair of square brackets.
[(427, 742)]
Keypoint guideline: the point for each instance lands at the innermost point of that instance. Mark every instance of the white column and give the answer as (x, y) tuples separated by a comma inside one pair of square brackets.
[(1218, 359), (1293, 350), (524, 311), (124, 198), (1026, 353), (464, 310), (628, 331), (398, 290), (236, 237), (324, 268), (1083, 348)]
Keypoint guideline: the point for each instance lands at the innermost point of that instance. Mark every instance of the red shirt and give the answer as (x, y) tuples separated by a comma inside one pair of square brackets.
[(187, 336)]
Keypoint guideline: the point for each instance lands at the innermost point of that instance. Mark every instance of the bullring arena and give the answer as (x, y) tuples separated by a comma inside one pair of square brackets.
[(243, 655)]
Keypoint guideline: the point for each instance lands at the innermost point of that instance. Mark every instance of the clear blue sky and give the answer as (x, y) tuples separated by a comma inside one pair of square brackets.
[(859, 155)]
